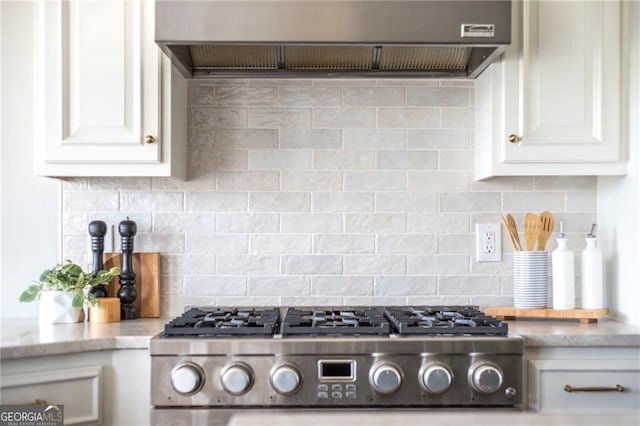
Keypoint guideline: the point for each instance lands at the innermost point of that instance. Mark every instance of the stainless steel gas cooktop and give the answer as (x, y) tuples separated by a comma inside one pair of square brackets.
[(212, 361)]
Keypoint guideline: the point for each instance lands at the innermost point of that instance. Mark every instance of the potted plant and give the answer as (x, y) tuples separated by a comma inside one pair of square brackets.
[(62, 292)]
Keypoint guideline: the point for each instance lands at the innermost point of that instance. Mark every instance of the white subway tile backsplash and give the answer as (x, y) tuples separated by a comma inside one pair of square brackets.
[(438, 264), (469, 285), (279, 285), (408, 118), (343, 160), (242, 138), (406, 202), (211, 201), (309, 96), (375, 222), (311, 181), (220, 118), (311, 223), (279, 202), (217, 243), (442, 139), (407, 160), (374, 264), (470, 202), (438, 181), (438, 223), (375, 181), (533, 201), (254, 223), (344, 243), (406, 243), (281, 159), (344, 117), (373, 96), (247, 264), (229, 96), (248, 181), (438, 96), (215, 285), (280, 118), (343, 286), (184, 222), (312, 264), (325, 192), (280, 244), (373, 139), (342, 201), (90, 201), (310, 138), (456, 118), (403, 285)]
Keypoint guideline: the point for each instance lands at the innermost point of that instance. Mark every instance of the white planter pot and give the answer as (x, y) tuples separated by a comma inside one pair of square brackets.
[(55, 308)]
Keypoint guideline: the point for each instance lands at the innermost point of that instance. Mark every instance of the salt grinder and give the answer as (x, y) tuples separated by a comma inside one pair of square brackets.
[(127, 292), (97, 230)]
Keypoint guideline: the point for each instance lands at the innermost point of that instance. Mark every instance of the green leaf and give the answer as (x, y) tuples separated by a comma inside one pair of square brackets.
[(30, 294), (93, 300), (78, 299)]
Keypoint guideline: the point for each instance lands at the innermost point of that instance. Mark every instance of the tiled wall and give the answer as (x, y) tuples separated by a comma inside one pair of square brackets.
[(325, 192)]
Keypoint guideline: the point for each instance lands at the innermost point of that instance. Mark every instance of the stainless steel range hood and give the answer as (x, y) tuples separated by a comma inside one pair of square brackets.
[(347, 38)]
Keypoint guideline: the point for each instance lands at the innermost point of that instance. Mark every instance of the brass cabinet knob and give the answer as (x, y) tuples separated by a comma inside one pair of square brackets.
[(513, 138), (149, 139)]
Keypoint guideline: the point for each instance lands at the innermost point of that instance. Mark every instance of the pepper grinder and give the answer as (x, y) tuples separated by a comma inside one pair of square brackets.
[(127, 292), (97, 230)]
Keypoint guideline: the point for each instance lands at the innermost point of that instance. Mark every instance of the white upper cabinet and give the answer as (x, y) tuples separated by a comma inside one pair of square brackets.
[(552, 105), (106, 100)]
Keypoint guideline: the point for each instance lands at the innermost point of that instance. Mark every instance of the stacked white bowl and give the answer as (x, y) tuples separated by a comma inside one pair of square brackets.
[(530, 279)]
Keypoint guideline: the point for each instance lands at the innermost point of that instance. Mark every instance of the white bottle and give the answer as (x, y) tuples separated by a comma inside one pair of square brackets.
[(591, 259), (564, 288)]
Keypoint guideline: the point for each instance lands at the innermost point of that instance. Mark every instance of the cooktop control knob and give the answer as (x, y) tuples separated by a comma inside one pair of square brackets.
[(285, 379), (187, 378), (385, 378), (435, 378), (237, 378), (486, 378)]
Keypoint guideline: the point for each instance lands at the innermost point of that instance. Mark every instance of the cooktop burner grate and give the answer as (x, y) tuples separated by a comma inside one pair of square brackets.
[(444, 320), (218, 322), (341, 321)]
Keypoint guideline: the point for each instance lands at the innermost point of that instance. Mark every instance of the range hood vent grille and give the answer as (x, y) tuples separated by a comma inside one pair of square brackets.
[(424, 58), (332, 38), (270, 57)]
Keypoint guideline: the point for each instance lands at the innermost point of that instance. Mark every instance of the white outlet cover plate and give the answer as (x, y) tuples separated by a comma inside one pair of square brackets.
[(488, 242)]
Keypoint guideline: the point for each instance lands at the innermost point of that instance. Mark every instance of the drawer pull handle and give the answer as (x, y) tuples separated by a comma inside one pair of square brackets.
[(616, 388), (35, 402)]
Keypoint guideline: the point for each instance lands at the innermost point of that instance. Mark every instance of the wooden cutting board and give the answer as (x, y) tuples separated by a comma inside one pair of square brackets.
[(146, 266), (585, 316)]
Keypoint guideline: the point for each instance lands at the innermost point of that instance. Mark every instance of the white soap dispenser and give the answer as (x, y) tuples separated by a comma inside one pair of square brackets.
[(591, 260), (563, 275)]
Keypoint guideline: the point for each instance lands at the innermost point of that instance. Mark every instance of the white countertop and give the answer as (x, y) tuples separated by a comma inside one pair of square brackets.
[(21, 338), (432, 418)]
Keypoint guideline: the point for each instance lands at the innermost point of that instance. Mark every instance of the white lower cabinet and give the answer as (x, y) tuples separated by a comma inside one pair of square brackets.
[(584, 380), (95, 388), (78, 389)]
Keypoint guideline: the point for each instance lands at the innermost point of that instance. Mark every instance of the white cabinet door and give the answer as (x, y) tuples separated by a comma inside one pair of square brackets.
[(552, 104), (99, 90)]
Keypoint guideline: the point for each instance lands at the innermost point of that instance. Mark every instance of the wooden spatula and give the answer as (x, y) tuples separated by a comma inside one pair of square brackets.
[(546, 229), (531, 230), (512, 238)]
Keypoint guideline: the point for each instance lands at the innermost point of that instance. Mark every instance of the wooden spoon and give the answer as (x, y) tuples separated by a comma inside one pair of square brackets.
[(546, 229), (514, 231), (531, 230)]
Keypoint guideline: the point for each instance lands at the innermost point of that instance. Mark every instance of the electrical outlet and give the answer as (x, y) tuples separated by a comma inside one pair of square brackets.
[(488, 242)]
